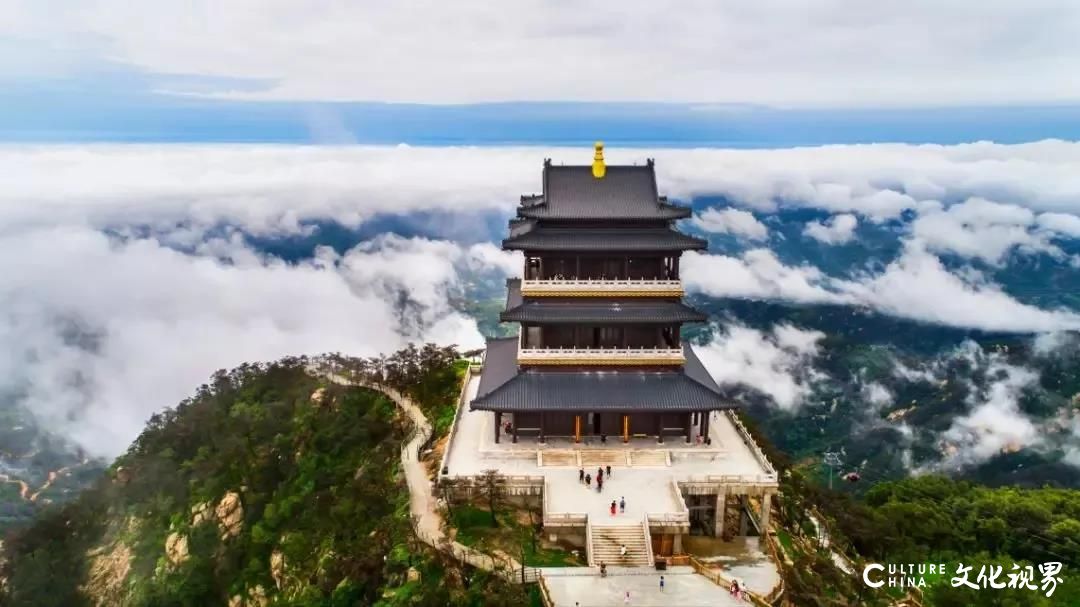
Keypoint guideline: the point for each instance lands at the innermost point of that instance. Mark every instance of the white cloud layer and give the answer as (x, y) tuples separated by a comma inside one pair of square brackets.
[(879, 181), (916, 286), (778, 363), (774, 51), (981, 229), (838, 229), (995, 423), (731, 221), (271, 187), (96, 334)]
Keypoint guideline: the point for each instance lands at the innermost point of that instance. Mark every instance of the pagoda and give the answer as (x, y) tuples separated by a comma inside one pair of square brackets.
[(599, 352)]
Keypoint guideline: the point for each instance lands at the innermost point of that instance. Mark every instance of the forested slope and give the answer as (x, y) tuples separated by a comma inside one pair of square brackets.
[(268, 487)]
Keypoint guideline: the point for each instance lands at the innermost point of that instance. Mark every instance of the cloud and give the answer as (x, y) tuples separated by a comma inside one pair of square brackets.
[(757, 274), (127, 277), (916, 285), (264, 189), (1015, 193), (1071, 446), (986, 230), (995, 423), (839, 229), (272, 187), (462, 52), (877, 395), (1062, 223), (778, 363), (97, 333), (880, 181), (731, 221)]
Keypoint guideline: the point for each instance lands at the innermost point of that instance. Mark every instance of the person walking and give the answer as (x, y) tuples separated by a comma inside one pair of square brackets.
[(608, 471), (581, 475), (661, 583), (622, 505), (600, 472), (588, 480), (622, 550), (626, 599), (612, 507), (599, 484)]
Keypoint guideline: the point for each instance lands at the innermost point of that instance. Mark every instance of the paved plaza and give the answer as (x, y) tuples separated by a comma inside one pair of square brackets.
[(682, 588)]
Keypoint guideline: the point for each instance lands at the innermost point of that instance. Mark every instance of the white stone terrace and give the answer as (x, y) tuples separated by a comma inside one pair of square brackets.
[(649, 486)]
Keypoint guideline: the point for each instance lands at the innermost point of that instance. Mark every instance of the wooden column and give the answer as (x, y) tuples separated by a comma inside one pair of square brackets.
[(514, 432), (498, 423), (626, 428), (766, 505), (577, 428), (705, 424), (659, 427), (543, 419), (689, 428)]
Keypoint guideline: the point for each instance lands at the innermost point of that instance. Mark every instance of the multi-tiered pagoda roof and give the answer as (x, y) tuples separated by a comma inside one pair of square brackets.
[(601, 309)]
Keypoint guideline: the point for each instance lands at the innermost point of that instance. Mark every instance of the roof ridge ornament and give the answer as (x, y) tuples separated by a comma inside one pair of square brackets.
[(599, 169)]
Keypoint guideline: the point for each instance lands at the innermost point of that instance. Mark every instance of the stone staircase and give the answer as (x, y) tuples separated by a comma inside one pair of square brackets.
[(595, 458), (652, 457), (591, 458), (561, 457), (606, 542)]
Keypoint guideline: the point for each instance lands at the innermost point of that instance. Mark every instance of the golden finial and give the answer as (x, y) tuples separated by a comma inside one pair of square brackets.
[(598, 167)]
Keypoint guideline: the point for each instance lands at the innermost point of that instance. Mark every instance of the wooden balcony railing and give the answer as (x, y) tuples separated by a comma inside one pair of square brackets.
[(602, 287), (601, 356)]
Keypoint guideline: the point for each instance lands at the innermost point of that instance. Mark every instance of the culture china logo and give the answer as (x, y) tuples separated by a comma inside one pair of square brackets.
[(989, 577)]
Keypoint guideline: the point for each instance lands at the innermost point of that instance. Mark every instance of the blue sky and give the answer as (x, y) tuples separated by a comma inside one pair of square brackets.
[(35, 115), (742, 74)]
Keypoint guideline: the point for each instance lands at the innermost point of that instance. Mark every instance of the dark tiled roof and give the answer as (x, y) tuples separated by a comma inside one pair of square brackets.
[(605, 311), (625, 192), (536, 390), (693, 369), (513, 293), (500, 364), (611, 239)]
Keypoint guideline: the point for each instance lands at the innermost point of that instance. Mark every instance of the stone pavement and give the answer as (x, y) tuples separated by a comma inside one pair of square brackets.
[(682, 588)]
